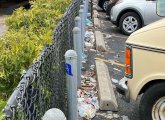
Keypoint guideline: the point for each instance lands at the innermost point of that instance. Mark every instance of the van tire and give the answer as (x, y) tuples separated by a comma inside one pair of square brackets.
[(135, 17), (149, 98)]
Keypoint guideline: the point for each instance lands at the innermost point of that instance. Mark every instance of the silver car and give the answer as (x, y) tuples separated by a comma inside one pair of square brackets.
[(130, 15)]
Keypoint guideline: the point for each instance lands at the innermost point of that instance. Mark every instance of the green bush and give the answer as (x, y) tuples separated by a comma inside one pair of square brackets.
[(2, 104), (28, 32)]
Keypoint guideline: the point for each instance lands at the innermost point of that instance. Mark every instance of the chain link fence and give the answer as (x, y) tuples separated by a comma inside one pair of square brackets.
[(43, 86)]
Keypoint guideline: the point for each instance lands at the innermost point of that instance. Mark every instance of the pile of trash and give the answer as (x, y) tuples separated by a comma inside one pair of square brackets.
[(87, 96), (89, 39), (89, 35)]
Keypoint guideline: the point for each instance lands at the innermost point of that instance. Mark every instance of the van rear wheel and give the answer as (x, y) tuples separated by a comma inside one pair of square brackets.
[(152, 104)]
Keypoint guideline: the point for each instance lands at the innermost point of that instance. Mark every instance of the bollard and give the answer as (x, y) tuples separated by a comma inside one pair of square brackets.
[(78, 24), (77, 21), (71, 75), (86, 8), (54, 114), (87, 1), (81, 14), (77, 46)]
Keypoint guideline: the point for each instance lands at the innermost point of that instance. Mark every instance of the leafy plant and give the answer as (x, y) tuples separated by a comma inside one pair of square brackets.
[(2, 104), (28, 32)]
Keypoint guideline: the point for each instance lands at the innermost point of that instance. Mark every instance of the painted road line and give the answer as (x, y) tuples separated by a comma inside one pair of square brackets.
[(119, 36), (111, 62)]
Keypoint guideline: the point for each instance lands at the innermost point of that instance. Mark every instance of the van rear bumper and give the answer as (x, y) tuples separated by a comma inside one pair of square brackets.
[(122, 88)]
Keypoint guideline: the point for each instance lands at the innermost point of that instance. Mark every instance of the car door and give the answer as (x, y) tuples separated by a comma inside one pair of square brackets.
[(150, 12)]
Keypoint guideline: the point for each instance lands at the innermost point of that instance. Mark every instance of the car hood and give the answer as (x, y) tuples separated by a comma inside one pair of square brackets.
[(152, 35)]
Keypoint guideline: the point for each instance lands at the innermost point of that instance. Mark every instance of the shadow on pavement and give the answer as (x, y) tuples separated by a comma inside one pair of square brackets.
[(7, 7)]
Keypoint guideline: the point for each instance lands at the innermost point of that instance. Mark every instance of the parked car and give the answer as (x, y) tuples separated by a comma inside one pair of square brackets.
[(130, 15), (109, 7), (145, 68), (103, 4)]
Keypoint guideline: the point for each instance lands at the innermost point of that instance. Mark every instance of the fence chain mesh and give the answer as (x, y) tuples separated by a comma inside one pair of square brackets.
[(43, 86)]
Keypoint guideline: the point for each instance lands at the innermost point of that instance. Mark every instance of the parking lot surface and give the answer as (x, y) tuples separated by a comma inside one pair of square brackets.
[(115, 44)]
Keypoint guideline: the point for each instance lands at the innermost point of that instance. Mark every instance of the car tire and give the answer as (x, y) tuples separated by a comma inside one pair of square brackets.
[(105, 4), (150, 100), (130, 22), (109, 7)]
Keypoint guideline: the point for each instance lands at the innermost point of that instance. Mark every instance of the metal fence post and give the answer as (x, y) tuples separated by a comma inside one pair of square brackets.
[(77, 46), (71, 75)]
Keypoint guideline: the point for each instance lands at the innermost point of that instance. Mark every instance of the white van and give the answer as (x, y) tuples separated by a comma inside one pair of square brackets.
[(145, 68)]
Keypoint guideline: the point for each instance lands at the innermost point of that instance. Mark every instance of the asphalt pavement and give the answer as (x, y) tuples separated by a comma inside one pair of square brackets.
[(115, 44), (6, 9)]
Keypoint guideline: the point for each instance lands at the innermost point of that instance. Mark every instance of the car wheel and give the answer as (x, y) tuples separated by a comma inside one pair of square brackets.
[(105, 4), (129, 22), (152, 104)]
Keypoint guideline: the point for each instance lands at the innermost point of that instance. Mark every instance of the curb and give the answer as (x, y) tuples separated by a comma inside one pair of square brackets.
[(95, 14), (94, 7), (100, 43), (107, 98), (97, 23)]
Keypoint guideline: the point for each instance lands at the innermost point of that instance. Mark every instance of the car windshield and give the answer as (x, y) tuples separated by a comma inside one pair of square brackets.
[(161, 8)]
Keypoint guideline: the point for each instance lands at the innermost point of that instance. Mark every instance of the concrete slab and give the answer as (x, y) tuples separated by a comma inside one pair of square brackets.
[(107, 98), (97, 23), (100, 43), (94, 7), (95, 14)]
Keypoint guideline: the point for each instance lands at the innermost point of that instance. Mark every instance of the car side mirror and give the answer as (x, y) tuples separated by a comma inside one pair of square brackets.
[(160, 8)]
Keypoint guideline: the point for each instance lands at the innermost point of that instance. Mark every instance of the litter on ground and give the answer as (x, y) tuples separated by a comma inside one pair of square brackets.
[(87, 95), (115, 81)]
